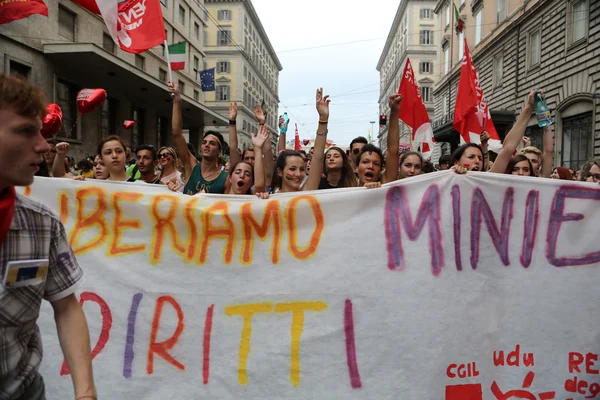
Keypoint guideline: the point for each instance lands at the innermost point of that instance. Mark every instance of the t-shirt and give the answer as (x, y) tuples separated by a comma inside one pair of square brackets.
[(197, 183), (88, 175), (177, 175), (155, 181), (324, 184), (35, 233), (131, 169)]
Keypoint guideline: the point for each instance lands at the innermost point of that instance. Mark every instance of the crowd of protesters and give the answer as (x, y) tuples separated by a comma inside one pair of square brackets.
[(257, 171), (31, 231)]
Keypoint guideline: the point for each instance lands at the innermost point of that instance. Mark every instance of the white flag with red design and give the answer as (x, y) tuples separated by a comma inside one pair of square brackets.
[(413, 112), (472, 114), (135, 25)]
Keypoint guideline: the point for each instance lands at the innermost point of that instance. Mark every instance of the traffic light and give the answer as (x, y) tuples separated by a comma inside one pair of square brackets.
[(382, 120)]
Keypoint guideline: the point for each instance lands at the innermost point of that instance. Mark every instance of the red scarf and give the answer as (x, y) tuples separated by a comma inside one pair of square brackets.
[(7, 209)]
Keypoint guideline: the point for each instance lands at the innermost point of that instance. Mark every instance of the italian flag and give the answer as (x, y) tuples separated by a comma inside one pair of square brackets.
[(177, 56)]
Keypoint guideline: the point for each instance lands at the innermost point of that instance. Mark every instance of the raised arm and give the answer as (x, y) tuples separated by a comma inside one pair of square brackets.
[(234, 153), (188, 161), (548, 156), (316, 165), (58, 167), (513, 138), (393, 141), (258, 141), (484, 138), (269, 164), (282, 131)]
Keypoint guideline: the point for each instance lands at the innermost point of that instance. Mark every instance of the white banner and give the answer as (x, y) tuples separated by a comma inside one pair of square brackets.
[(437, 287)]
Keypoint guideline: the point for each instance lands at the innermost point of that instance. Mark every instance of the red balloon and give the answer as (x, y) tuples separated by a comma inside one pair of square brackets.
[(89, 5), (127, 124), (52, 121), (90, 99), (306, 142)]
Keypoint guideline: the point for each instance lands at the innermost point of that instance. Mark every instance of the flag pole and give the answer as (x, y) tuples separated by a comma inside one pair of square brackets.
[(168, 61)]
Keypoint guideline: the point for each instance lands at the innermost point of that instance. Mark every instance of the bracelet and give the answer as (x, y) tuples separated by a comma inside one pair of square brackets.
[(231, 122), (323, 122), (264, 123), (322, 133)]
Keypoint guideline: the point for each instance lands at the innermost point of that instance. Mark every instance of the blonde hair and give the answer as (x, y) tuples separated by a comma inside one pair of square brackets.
[(532, 150), (173, 154)]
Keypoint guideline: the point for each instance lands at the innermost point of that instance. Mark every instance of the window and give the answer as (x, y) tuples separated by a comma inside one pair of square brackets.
[(426, 37), (447, 12), (224, 15), (577, 23), (205, 37), (478, 25), (66, 95), (196, 95), (223, 38), (425, 13), (501, 11), (196, 63), (197, 30), (445, 106), (107, 43), (181, 15), (426, 94), (461, 46), (426, 67), (162, 129), (140, 62), (245, 21), (107, 118), (536, 136), (19, 70), (139, 116), (223, 93), (245, 72), (533, 53), (245, 125), (223, 66), (162, 75), (446, 59), (498, 66), (577, 140), (181, 85), (66, 23), (162, 49)]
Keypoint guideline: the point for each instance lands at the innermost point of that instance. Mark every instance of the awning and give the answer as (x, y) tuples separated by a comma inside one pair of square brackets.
[(91, 66)]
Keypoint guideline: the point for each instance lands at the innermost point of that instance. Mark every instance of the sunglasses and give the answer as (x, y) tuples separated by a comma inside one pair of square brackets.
[(164, 155)]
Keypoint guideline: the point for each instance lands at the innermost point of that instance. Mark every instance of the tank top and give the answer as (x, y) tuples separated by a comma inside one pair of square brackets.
[(197, 183)]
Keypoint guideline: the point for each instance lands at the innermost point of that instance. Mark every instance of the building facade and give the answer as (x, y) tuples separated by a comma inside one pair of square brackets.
[(413, 35), (520, 45), (246, 66), (71, 49)]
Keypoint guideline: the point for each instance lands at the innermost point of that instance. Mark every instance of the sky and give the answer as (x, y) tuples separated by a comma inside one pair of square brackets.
[(311, 39)]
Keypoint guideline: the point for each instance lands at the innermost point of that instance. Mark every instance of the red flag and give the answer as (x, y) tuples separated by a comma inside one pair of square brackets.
[(412, 110), (15, 10), (471, 113), (297, 145), (135, 25)]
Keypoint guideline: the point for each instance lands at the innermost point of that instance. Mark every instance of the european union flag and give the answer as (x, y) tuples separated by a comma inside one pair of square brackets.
[(207, 80)]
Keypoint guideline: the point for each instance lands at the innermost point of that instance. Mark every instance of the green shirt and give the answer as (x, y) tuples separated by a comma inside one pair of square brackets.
[(197, 183)]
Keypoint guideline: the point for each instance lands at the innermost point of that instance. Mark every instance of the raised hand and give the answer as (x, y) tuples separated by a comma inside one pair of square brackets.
[(259, 114), (484, 137), (395, 101), (261, 137), (322, 105), (531, 97), (526, 141), (283, 126), (63, 148), (233, 110), (174, 91)]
